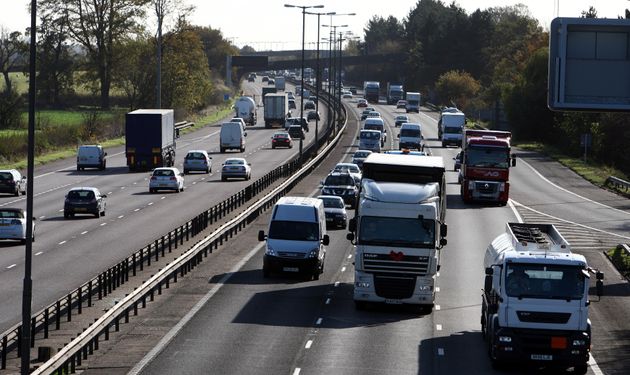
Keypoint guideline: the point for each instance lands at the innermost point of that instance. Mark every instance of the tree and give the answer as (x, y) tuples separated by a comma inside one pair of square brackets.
[(457, 87), (12, 46), (132, 75), (216, 48), (97, 26)]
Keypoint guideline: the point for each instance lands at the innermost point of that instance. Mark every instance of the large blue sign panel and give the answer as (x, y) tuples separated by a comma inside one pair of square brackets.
[(589, 64)]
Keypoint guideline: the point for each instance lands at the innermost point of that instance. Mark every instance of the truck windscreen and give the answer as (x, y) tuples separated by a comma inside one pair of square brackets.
[(396, 231), (546, 281), (489, 157)]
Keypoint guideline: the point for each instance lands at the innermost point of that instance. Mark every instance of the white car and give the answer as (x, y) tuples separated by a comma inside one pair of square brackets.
[(359, 156), (350, 168), (167, 178), (197, 160), (346, 95), (13, 224), (236, 168), (335, 211)]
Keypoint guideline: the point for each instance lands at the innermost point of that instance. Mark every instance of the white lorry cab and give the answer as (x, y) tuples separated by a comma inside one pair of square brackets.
[(232, 136), (297, 239), (370, 140), (535, 299), (451, 128)]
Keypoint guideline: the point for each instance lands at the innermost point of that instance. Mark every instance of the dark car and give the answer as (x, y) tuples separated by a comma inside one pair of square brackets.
[(12, 182), (265, 78), (296, 132), (84, 200), (292, 104), (400, 119), (251, 78), (281, 139), (342, 185), (313, 115), (313, 98), (309, 104), (271, 82)]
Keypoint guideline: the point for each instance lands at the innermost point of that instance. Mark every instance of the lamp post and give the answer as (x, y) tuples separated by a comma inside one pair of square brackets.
[(318, 85), (333, 92), (304, 8)]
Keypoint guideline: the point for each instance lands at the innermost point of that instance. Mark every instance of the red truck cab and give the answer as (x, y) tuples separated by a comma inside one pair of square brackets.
[(485, 167)]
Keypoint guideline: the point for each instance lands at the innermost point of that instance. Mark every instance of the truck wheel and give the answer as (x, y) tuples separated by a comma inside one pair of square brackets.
[(360, 305), (265, 272), (17, 191), (222, 150), (444, 145), (580, 369)]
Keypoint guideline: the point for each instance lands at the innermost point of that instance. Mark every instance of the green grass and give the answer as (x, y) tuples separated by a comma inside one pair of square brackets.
[(620, 259), (19, 81), (590, 170)]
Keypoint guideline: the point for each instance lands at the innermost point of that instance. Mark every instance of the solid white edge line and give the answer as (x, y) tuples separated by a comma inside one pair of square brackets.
[(178, 327), (570, 192), (296, 371), (11, 266), (518, 216), (39, 253), (594, 366), (319, 321), (61, 243)]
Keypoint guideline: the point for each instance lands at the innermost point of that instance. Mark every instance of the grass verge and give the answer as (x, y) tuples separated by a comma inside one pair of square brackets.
[(210, 117), (620, 259), (590, 170)]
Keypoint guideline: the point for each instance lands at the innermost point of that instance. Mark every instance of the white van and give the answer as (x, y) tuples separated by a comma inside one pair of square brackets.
[(232, 137), (376, 123), (297, 237), (452, 128), (91, 156), (410, 136), (370, 140)]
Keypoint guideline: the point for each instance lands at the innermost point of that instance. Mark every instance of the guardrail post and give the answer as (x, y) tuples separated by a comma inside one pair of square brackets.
[(58, 316), (107, 332), (162, 247), (78, 357), (73, 368), (157, 253), (19, 341), (109, 281), (96, 342), (141, 260), (135, 308), (89, 293), (3, 360), (187, 232), (127, 315), (69, 307), (181, 235), (126, 269), (170, 242), (159, 289), (46, 321), (149, 255), (168, 279), (176, 230), (85, 350), (33, 322), (80, 298), (175, 276), (117, 324)]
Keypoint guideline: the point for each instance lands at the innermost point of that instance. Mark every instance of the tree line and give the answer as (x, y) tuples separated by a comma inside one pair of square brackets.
[(492, 58), (108, 47)]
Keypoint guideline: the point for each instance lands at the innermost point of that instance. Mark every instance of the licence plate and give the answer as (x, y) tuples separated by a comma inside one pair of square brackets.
[(290, 269), (162, 185), (393, 302), (541, 357), (329, 219), (80, 209)]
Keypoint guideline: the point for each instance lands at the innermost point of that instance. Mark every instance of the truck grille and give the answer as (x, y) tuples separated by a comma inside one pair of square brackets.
[(394, 287), (543, 317), (486, 187), (396, 263), (291, 255)]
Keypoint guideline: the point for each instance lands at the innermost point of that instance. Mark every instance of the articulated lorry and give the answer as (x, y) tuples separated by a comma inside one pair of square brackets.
[(371, 91), (398, 230), (280, 83), (534, 306), (150, 139), (395, 92), (245, 108), (276, 110), (485, 168)]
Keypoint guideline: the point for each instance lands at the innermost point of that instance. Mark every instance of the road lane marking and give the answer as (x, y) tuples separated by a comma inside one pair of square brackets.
[(328, 301), (343, 269), (61, 243), (103, 224), (437, 307), (84, 232), (110, 193), (438, 327), (191, 313), (122, 187), (437, 288), (318, 322), (440, 351), (296, 371), (121, 216), (39, 253), (308, 345), (163, 198), (150, 204), (136, 210), (336, 284), (349, 256), (42, 217), (11, 266)]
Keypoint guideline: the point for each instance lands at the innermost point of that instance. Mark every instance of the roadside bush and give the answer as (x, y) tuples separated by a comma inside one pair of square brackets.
[(11, 106)]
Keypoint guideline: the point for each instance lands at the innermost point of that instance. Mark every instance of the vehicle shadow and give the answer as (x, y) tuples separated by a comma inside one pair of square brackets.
[(71, 218), (10, 243), (97, 172)]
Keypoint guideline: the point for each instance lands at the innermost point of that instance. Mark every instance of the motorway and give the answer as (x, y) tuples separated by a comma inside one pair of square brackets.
[(285, 325), (67, 253)]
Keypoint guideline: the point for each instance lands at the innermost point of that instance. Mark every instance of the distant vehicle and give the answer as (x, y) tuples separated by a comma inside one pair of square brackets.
[(313, 115), (150, 138), (236, 168), (239, 120), (296, 132), (245, 108), (271, 82), (401, 104), (276, 110), (413, 102), (280, 83), (292, 104), (376, 123), (232, 136), (335, 210), (313, 98), (13, 224), (297, 237), (375, 114), (346, 95), (410, 137), (342, 185), (84, 200), (359, 156), (281, 139), (451, 128), (362, 103), (394, 92), (353, 90), (309, 104), (303, 122), (251, 78), (371, 91), (290, 95), (91, 156), (401, 119), (12, 182), (166, 179), (366, 112), (350, 168), (265, 79), (197, 160)]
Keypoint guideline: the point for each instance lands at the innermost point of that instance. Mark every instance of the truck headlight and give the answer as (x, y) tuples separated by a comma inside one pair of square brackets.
[(579, 342), (425, 288), (361, 284), (471, 185), (313, 253), (270, 251), (501, 186), (505, 339)]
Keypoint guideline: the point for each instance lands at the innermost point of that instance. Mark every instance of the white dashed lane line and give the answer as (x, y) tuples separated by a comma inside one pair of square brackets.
[(296, 371), (438, 327), (103, 224), (308, 345), (437, 288), (39, 253), (150, 204), (437, 307), (11, 266), (343, 269), (136, 210), (318, 322), (84, 232), (121, 216), (61, 243)]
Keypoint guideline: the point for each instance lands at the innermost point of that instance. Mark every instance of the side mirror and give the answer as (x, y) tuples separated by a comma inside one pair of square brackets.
[(487, 282), (398, 136), (34, 218), (181, 174), (325, 240), (105, 154), (352, 225), (489, 271), (443, 230), (513, 160), (104, 195), (244, 134), (350, 236), (261, 235)]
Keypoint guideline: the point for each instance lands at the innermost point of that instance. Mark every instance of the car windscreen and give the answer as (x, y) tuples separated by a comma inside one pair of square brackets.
[(339, 180), (293, 230), (234, 162), (163, 172), (6, 176), (333, 203), (370, 135), (195, 156), (545, 281), (361, 154), (347, 168), (392, 231), (81, 195), (453, 130), (410, 133)]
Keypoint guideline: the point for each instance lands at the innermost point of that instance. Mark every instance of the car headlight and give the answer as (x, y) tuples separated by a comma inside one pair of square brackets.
[(425, 288), (505, 339), (313, 253), (361, 284), (326, 190), (270, 251)]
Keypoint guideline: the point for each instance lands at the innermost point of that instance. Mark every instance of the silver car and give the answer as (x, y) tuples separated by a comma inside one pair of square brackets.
[(236, 168), (359, 156), (167, 178), (13, 224), (335, 211), (197, 160)]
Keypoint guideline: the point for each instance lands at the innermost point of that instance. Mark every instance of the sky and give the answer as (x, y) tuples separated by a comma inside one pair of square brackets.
[(268, 24)]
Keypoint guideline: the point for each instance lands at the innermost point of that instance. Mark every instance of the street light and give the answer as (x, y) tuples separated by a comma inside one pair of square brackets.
[(331, 90), (341, 40), (303, 7), (318, 86)]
